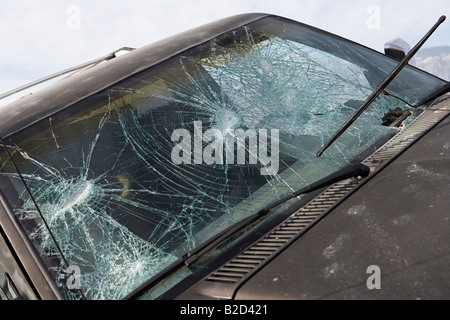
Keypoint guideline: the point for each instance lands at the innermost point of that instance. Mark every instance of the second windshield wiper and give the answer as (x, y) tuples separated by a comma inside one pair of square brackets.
[(352, 170), (349, 171)]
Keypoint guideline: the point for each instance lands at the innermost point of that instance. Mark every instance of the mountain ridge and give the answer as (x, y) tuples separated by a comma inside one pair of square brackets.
[(435, 60)]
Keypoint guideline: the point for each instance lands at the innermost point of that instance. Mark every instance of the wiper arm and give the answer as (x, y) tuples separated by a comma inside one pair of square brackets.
[(349, 171), (380, 88)]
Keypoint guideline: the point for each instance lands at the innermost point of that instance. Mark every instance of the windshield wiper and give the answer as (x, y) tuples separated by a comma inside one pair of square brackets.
[(380, 88), (349, 171), (352, 170)]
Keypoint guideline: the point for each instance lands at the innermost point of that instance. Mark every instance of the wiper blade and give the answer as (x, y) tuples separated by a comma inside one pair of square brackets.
[(349, 171), (380, 88)]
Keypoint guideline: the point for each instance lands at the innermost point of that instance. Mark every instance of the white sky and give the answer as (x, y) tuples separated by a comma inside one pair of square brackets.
[(41, 37)]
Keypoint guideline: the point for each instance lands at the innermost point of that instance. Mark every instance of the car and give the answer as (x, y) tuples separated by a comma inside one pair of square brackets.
[(189, 169)]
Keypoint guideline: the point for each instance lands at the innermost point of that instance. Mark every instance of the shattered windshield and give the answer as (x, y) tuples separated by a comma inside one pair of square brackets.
[(113, 189)]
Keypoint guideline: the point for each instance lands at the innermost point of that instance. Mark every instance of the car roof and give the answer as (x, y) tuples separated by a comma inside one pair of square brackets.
[(37, 106)]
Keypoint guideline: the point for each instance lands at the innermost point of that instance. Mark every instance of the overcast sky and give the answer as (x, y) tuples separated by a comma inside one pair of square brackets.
[(41, 37)]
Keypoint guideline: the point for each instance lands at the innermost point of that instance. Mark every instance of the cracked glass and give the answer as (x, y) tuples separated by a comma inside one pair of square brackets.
[(110, 193)]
